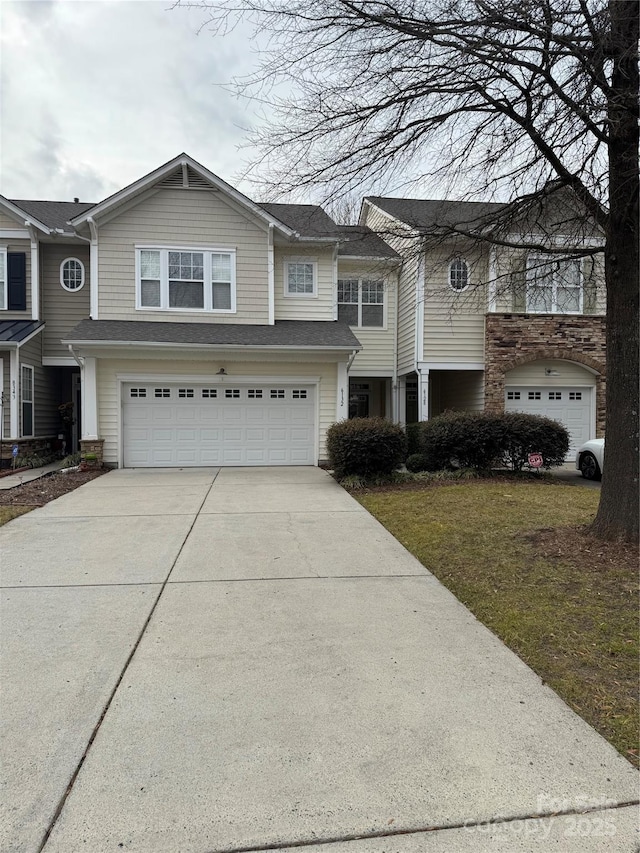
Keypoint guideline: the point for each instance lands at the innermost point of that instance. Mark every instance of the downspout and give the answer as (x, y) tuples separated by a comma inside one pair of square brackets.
[(93, 268), (35, 272), (271, 277)]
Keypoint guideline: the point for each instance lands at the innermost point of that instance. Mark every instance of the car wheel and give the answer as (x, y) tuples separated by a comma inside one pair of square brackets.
[(589, 467)]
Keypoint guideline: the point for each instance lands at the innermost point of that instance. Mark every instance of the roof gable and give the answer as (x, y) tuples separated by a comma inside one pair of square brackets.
[(14, 209)]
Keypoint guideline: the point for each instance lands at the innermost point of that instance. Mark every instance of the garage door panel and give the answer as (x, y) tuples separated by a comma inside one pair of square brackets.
[(569, 406), (182, 425)]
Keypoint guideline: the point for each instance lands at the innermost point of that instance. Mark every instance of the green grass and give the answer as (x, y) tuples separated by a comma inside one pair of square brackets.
[(566, 603), (9, 512)]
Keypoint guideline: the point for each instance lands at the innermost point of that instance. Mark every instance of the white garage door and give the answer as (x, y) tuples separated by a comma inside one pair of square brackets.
[(166, 424), (570, 406)]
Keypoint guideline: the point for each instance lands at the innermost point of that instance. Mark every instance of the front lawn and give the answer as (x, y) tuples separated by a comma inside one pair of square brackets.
[(9, 512), (515, 555)]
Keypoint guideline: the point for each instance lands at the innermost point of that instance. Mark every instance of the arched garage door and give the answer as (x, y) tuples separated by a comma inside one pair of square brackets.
[(571, 406), (169, 424)]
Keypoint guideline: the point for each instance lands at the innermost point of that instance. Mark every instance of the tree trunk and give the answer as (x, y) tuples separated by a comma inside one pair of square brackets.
[(617, 516)]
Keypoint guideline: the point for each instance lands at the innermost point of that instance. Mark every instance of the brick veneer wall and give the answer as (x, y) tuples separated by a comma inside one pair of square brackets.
[(515, 339), (92, 447)]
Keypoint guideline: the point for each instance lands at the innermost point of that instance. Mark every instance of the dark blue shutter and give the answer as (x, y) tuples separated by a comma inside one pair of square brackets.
[(17, 281)]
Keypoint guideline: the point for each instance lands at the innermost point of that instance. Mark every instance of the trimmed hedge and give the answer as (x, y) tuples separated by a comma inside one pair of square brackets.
[(484, 441), (365, 446)]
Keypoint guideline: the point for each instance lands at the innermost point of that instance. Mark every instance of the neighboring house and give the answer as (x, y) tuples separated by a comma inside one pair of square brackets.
[(190, 325), (496, 328)]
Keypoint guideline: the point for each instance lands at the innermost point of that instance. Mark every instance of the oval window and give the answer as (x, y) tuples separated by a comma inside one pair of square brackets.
[(72, 274), (458, 274)]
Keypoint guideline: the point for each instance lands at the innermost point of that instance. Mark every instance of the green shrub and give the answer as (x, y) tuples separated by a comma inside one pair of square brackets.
[(365, 446), (524, 434), (482, 441), (417, 462), (413, 439)]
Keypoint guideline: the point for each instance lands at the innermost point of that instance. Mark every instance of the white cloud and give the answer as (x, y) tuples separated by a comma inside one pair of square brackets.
[(96, 94)]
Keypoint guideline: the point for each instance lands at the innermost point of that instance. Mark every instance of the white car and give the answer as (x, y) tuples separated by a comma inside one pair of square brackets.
[(590, 459)]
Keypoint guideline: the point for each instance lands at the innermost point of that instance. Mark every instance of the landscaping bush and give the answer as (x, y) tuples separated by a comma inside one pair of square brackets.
[(483, 441), (460, 440), (525, 434), (413, 439), (365, 446)]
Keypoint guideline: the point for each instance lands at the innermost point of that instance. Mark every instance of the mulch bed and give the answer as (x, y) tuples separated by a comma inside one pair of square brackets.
[(574, 546), (47, 488)]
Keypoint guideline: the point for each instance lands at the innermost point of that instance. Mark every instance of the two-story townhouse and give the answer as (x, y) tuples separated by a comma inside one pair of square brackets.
[(189, 324), (496, 327)]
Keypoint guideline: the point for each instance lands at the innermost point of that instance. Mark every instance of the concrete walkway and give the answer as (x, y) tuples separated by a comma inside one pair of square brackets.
[(9, 481), (201, 661)]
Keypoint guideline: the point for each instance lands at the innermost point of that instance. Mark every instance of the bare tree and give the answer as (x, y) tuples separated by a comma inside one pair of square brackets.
[(494, 98)]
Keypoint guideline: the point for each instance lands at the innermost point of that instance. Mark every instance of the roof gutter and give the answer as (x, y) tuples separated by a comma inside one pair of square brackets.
[(179, 345)]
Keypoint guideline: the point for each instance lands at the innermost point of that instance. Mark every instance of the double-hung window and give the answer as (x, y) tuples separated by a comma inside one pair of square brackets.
[(554, 286), (300, 277), (26, 399), (3, 279), (186, 279), (361, 302)]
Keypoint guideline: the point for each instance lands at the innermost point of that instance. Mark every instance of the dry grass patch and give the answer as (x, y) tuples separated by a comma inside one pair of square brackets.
[(517, 555), (9, 512)]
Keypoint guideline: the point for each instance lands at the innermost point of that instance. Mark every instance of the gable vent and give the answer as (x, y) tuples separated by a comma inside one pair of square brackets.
[(173, 180), (196, 181)]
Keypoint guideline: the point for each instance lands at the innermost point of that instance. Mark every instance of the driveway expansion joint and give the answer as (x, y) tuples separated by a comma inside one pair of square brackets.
[(397, 832), (131, 655)]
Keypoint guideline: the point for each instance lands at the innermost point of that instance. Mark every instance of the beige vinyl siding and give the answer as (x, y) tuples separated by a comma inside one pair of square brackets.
[(394, 233), (61, 309), (108, 369), (174, 217), (46, 421), (9, 221), (5, 355), (534, 374), (453, 322), (320, 307), (460, 390), (23, 246), (377, 354)]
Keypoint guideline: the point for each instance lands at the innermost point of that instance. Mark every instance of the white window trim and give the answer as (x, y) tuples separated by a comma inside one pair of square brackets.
[(207, 251), (541, 258), (4, 294), (301, 260), (468, 284), (82, 280), (32, 401), (385, 302)]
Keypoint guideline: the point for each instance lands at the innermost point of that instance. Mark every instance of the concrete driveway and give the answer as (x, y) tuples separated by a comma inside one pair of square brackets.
[(201, 661)]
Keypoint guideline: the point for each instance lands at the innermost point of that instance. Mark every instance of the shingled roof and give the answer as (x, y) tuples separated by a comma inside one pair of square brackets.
[(16, 331), (435, 213), (53, 214), (299, 334)]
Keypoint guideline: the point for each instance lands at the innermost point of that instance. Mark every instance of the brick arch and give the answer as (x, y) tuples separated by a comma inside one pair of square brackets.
[(549, 353)]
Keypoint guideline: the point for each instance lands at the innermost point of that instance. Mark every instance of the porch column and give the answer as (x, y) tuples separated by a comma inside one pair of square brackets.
[(423, 395), (14, 394), (400, 413), (89, 399), (342, 392)]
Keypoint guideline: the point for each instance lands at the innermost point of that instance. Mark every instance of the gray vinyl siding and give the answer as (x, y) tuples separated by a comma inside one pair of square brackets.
[(454, 322), (182, 217), (320, 307), (377, 355), (23, 246), (402, 240), (8, 221), (61, 309), (45, 413), (5, 355)]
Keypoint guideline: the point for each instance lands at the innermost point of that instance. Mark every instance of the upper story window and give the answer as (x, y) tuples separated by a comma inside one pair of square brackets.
[(458, 275), (554, 286), (300, 277), (72, 274), (13, 280), (3, 279), (186, 279), (361, 302)]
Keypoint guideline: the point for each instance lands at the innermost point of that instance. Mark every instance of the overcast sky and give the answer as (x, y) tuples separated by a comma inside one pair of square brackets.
[(96, 93)]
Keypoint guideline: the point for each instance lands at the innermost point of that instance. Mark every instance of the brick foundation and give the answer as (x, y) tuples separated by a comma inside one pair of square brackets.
[(92, 447), (512, 340), (27, 446)]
